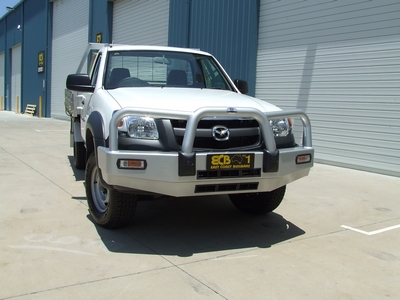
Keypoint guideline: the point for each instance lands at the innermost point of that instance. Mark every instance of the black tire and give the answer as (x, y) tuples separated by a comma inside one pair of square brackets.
[(79, 155), (108, 208), (258, 203)]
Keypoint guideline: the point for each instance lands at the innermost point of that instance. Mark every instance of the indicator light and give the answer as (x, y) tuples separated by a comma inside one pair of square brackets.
[(304, 158), (137, 164)]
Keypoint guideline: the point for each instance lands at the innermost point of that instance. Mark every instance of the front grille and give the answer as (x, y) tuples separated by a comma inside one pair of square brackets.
[(228, 174), (244, 133), (209, 188)]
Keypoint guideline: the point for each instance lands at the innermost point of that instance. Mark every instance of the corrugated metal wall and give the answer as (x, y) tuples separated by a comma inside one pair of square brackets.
[(11, 36), (179, 23), (100, 20), (35, 20), (225, 28), (340, 62)]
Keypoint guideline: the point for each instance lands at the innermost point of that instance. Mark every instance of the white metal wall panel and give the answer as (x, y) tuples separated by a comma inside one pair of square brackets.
[(141, 22), (2, 91), (16, 79), (70, 39), (339, 61)]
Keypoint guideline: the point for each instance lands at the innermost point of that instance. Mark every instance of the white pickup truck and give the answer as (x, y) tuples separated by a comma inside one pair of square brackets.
[(150, 121)]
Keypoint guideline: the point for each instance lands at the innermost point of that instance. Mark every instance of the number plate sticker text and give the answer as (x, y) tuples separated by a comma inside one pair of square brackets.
[(230, 161)]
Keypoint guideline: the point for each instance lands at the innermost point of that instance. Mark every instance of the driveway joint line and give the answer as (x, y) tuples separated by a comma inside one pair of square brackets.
[(37, 172)]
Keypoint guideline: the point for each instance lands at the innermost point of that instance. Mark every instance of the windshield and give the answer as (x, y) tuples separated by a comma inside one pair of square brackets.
[(163, 68)]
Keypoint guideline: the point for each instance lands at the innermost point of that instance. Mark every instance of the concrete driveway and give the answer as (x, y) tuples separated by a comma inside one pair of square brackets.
[(335, 236)]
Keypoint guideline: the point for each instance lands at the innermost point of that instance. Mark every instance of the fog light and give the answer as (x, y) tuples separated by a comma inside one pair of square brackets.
[(304, 158), (137, 164)]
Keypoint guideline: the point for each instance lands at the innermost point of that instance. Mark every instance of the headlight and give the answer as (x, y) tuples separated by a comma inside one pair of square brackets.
[(139, 127), (281, 127)]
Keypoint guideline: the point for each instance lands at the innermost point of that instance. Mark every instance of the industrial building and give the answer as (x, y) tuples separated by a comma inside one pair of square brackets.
[(339, 61)]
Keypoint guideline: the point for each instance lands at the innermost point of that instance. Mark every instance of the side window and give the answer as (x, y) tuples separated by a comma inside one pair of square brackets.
[(212, 76), (95, 73)]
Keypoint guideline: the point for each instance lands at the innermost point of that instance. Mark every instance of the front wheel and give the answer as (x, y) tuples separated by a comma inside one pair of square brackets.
[(258, 203), (109, 208)]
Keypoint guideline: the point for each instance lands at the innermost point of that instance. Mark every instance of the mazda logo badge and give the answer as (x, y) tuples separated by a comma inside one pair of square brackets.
[(220, 133)]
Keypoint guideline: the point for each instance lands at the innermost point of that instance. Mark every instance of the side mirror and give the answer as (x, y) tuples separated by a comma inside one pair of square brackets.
[(242, 85), (79, 83)]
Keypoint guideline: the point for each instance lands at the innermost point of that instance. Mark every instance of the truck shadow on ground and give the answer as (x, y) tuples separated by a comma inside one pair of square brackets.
[(187, 226), (78, 174)]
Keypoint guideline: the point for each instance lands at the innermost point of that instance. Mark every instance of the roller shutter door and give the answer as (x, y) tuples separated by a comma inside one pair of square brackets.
[(2, 90), (339, 61), (70, 39), (16, 79), (141, 22)]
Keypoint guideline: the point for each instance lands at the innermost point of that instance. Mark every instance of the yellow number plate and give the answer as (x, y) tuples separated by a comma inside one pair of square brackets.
[(230, 161)]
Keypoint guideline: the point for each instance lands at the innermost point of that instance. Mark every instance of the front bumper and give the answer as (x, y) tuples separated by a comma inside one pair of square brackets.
[(163, 174)]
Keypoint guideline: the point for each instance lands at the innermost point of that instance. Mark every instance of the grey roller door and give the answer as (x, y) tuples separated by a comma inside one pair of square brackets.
[(141, 22), (2, 90), (70, 39), (339, 61), (16, 79)]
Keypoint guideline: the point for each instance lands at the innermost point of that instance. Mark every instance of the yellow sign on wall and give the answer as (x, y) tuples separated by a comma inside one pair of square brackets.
[(41, 62), (99, 37)]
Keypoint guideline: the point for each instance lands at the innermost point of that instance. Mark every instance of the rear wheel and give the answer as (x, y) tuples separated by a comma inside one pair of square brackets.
[(258, 203), (109, 208)]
